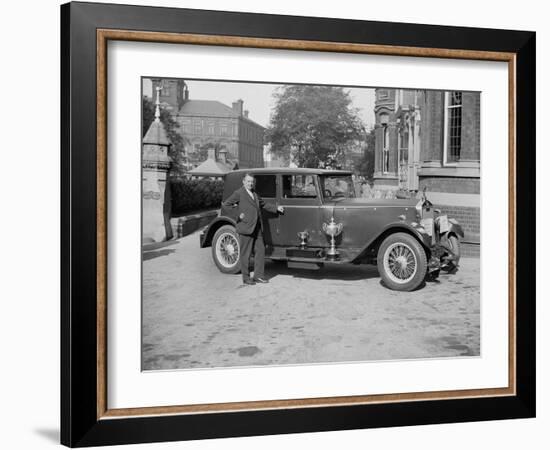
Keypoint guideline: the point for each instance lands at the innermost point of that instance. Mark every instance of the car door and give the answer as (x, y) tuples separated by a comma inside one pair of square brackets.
[(266, 188), (299, 195)]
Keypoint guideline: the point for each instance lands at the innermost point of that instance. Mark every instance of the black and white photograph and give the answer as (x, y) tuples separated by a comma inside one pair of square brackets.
[(291, 224), (275, 225)]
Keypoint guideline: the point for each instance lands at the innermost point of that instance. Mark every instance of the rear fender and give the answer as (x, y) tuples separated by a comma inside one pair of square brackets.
[(207, 235)]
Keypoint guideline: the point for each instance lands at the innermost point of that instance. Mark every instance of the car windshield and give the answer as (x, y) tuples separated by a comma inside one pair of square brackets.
[(337, 186)]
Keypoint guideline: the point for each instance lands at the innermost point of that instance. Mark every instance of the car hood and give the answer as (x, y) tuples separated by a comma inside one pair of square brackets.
[(368, 202)]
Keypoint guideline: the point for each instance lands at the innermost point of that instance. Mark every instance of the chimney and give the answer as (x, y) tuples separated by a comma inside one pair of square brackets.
[(238, 107), (223, 155), (182, 92), (212, 153), (246, 113)]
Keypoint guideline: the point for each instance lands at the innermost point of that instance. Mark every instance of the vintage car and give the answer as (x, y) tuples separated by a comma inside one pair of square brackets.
[(325, 224)]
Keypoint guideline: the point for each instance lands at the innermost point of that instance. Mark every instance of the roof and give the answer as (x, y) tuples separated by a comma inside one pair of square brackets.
[(207, 108), (210, 168), (211, 108), (156, 134), (289, 170)]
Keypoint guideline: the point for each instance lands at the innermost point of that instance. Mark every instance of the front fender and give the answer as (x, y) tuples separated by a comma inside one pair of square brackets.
[(417, 231), (206, 236), (456, 228)]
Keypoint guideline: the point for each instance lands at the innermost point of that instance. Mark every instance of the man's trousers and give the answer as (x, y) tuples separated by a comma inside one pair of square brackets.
[(247, 243)]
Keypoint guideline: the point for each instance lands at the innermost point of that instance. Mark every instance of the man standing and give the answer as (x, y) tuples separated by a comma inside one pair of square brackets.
[(250, 228)]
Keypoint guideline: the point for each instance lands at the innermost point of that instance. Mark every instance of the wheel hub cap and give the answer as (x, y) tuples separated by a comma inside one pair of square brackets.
[(402, 261)]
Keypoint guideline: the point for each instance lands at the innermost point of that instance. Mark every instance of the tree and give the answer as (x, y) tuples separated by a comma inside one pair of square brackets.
[(313, 124), (177, 149), (365, 166)]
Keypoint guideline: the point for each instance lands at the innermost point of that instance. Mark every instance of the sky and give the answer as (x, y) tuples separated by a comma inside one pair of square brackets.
[(258, 97)]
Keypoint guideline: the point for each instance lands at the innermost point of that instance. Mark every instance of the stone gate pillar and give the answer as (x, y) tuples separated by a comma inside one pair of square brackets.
[(155, 196)]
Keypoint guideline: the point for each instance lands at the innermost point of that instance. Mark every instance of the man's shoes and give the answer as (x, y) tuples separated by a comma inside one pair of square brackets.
[(249, 282), (260, 280)]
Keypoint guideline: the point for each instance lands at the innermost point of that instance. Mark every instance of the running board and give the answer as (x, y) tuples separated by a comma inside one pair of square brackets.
[(307, 257), (309, 253)]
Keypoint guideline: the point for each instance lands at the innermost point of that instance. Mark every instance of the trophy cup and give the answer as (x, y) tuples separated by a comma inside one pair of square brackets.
[(303, 235), (333, 229)]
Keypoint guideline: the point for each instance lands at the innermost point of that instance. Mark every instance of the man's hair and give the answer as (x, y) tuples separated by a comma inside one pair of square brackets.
[(248, 174)]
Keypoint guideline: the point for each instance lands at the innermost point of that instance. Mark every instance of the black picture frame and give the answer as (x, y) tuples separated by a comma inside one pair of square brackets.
[(81, 422)]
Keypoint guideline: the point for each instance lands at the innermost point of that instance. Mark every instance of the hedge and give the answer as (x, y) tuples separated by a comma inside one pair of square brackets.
[(192, 195)]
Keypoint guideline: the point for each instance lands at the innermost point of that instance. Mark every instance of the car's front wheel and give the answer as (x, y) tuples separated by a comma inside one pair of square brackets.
[(402, 262), (454, 246), (226, 249)]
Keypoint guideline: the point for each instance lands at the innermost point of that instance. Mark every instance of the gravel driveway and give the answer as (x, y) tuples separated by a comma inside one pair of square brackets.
[(194, 316)]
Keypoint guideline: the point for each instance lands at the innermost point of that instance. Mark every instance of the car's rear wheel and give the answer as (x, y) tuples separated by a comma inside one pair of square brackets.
[(226, 249), (402, 262)]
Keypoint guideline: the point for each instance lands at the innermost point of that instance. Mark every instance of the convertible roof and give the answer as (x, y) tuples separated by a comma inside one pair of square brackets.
[(289, 171)]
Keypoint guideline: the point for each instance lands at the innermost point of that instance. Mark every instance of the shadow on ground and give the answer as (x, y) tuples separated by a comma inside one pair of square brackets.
[(151, 255), (343, 273), (157, 245)]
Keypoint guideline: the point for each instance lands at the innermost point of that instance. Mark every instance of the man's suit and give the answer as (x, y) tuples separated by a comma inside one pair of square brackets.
[(250, 229)]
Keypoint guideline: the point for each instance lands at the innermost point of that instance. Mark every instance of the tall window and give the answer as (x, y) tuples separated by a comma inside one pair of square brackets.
[(187, 127), (385, 149), (166, 90), (453, 126), (197, 127), (385, 156)]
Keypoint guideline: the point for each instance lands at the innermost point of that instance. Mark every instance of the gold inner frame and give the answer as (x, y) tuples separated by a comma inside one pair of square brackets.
[(104, 35)]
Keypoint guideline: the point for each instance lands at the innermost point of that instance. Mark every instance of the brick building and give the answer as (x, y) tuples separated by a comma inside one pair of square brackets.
[(431, 139), (212, 123)]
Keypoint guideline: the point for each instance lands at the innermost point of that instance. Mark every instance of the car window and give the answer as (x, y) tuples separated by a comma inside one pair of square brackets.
[(335, 186), (299, 186), (266, 186)]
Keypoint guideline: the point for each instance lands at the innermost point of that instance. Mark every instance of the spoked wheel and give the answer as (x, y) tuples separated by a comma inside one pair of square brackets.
[(402, 262), (226, 249)]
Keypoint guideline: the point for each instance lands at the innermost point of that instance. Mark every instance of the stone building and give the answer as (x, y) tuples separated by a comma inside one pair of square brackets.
[(205, 123), (430, 139)]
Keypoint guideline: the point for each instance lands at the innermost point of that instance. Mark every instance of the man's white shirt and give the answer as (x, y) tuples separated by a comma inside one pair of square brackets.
[(250, 193)]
